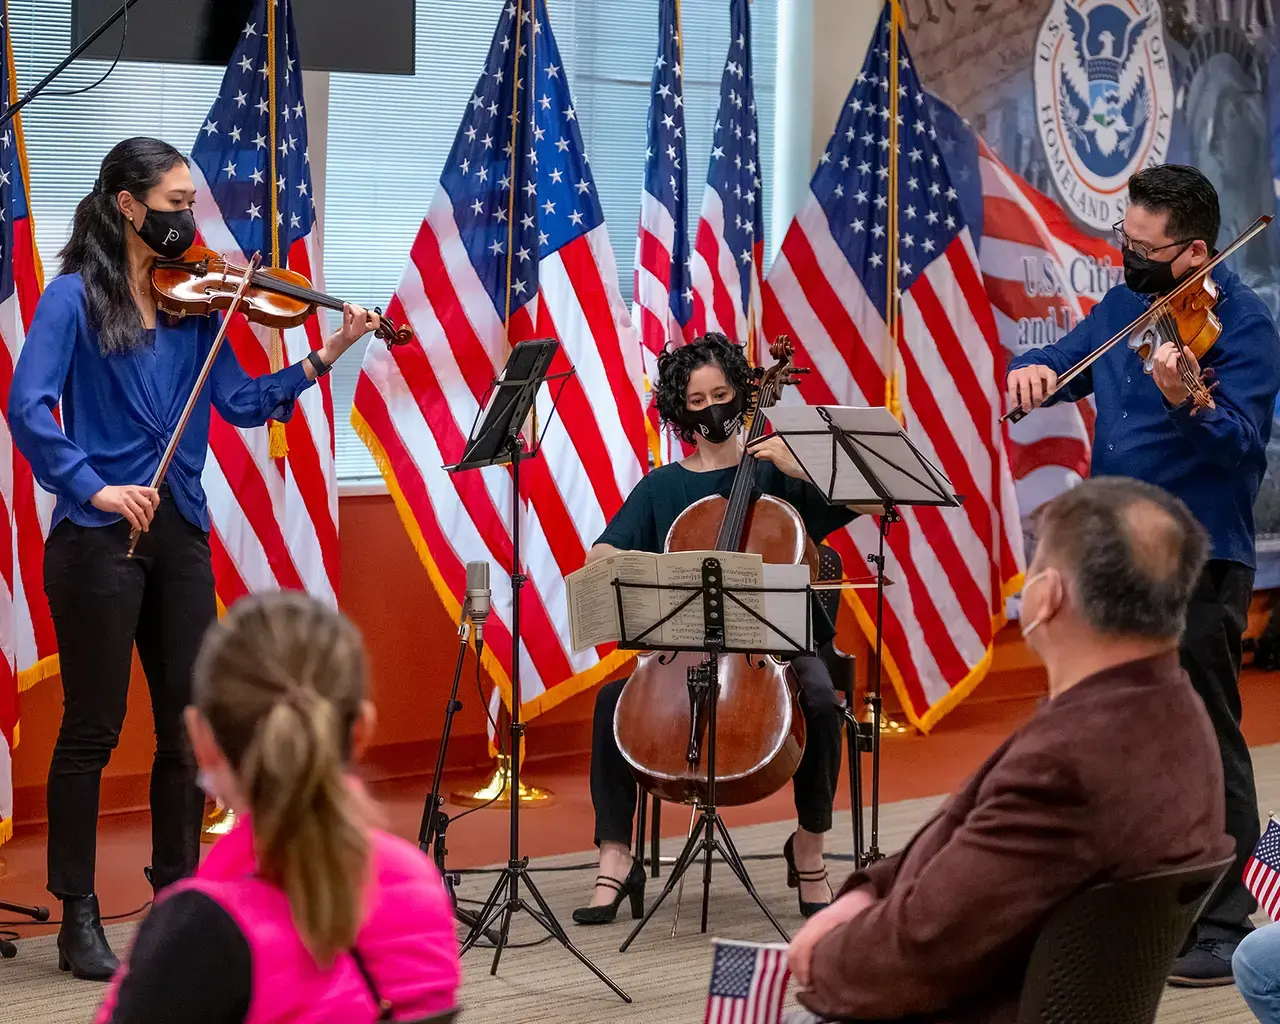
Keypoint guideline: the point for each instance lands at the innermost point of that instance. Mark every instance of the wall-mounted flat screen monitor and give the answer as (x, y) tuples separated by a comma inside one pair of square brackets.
[(370, 36)]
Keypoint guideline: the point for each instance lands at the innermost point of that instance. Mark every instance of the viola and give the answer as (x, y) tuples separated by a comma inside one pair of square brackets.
[(1184, 318), (202, 281), (760, 731)]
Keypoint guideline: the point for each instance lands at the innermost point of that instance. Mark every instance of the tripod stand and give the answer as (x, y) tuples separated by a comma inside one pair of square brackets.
[(497, 441), (709, 834), (7, 949), (862, 456), (431, 833)]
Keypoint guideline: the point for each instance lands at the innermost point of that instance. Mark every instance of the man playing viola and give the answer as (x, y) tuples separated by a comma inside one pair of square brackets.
[(1212, 458)]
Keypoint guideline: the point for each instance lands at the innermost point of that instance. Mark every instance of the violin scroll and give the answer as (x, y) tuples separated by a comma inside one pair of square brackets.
[(390, 333)]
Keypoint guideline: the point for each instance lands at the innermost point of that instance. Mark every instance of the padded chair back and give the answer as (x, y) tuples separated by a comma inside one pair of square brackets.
[(1104, 955)]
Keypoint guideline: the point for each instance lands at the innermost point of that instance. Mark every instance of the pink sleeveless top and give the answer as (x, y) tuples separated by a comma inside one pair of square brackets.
[(406, 945)]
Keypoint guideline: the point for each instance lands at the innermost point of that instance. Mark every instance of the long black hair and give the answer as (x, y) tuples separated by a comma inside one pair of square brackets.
[(97, 247), (676, 365)]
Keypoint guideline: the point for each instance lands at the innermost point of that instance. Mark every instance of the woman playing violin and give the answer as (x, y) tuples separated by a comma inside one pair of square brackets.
[(1212, 457), (123, 374), (703, 390)]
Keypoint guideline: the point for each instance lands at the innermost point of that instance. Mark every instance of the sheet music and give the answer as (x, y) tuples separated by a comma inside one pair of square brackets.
[(593, 604)]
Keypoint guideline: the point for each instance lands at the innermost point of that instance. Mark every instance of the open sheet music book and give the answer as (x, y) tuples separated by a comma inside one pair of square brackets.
[(593, 603)]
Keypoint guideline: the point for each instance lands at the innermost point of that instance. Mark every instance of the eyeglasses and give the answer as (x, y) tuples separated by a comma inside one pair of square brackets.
[(1141, 248)]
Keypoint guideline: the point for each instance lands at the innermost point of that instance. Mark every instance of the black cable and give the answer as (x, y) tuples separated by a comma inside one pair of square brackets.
[(497, 736), (106, 917), (592, 865), (124, 34)]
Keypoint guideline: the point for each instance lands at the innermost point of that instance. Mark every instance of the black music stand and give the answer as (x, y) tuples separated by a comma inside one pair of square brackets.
[(497, 440), (862, 456), (716, 599)]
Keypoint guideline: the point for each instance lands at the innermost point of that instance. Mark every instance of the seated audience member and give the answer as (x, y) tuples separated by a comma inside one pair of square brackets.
[(1117, 775), (1256, 965), (304, 911)]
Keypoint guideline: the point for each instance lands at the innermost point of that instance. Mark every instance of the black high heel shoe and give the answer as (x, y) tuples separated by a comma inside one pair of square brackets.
[(633, 887), (795, 877)]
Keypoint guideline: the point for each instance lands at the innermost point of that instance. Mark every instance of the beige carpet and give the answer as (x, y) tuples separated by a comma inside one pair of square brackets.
[(666, 977)]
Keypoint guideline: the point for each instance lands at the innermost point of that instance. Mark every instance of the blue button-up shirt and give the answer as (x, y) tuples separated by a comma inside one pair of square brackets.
[(119, 411), (1213, 460)]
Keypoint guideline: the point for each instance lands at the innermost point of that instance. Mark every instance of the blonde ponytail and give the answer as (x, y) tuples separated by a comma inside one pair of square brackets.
[(281, 681)]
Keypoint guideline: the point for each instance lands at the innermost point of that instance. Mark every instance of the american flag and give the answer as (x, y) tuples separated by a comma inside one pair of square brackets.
[(828, 290), (516, 202), (729, 248), (663, 303), (748, 983), (1027, 232), (275, 520), (1262, 872), (28, 650)]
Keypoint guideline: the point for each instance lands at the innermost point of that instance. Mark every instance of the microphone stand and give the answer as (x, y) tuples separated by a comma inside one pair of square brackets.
[(40, 86), (431, 833)]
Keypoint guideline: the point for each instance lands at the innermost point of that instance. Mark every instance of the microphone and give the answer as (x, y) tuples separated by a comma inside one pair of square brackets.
[(477, 604)]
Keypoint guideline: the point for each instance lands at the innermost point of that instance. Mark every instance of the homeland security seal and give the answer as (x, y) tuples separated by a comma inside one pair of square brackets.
[(1104, 100)]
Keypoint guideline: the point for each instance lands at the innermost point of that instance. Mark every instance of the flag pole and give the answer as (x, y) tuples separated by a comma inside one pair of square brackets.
[(495, 792), (278, 446), (892, 398)]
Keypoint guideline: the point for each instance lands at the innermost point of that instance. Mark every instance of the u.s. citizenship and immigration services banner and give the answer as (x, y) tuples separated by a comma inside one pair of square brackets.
[(1069, 98)]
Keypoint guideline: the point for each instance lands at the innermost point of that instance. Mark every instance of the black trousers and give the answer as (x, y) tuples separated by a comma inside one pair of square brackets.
[(102, 603), (1216, 620), (613, 787)]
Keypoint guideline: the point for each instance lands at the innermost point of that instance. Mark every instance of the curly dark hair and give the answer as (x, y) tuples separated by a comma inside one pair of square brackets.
[(676, 365)]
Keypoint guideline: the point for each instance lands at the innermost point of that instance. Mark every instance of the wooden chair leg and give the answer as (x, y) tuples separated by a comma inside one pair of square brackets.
[(655, 838), (642, 806)]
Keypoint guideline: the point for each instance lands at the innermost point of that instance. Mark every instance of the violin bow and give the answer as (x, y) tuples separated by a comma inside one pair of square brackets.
[(158, 478), (1156, 308)]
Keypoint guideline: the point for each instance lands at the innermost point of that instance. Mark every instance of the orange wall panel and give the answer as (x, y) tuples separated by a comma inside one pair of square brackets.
[(412, 647)]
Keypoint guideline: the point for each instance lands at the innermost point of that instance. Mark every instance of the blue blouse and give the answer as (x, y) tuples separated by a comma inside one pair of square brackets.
[(119, 411)]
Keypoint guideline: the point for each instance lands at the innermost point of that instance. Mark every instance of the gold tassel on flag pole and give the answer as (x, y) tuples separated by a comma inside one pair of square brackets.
[(892, 397), (279, 446), (495, 793)]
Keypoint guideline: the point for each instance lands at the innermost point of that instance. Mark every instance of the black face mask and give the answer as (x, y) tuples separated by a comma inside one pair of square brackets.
[(1147, 276), (717, 423), (168, 233)]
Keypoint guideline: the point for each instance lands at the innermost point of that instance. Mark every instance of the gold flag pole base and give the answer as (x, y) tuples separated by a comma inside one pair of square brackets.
[(4, 868), (218, 821), (530, 796), (892, 727)]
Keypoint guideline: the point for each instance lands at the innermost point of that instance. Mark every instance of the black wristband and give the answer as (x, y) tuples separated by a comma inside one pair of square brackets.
[(320, 365)]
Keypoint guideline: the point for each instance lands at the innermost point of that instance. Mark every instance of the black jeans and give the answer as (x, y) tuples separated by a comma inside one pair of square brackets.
[(102, 602), (1216, 620), (613, 787)]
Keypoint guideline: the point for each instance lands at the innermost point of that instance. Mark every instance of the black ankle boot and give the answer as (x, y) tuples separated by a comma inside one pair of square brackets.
[(82, 945)]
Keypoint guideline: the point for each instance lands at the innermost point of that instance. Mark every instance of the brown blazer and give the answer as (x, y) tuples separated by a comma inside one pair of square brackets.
[(1118, 777)]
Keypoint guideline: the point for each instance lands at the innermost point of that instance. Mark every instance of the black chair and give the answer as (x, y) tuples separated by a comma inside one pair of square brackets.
[(841, 668), (1103, 957)]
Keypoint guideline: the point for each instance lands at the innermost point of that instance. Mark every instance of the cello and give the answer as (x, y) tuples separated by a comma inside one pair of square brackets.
[(760, 731)]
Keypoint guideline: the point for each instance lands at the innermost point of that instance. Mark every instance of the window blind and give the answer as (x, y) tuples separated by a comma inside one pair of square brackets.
[(389, 137), (68, 137)]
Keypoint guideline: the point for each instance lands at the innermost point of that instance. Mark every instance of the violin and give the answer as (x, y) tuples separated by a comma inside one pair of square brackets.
[(1184, 317), (760, 732), (201, 281)]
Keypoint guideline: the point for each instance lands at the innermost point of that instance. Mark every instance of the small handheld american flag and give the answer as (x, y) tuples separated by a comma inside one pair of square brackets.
[(1262, 873), (748, 982)]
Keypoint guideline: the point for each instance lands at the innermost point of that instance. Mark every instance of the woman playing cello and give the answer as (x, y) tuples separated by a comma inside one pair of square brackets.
[(704, 390), (123, 374)]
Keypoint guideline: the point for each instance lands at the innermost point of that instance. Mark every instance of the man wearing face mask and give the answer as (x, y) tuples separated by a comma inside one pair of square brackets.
[(1213, 459), (703, 390), (121, 372), (1117, 775)]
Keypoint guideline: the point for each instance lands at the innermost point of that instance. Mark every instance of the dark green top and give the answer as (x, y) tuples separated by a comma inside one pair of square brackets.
[(647, 514)]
